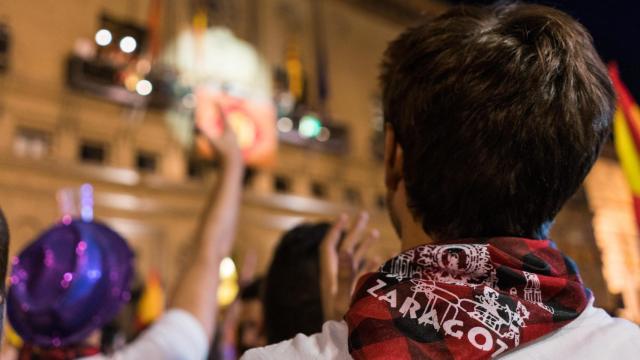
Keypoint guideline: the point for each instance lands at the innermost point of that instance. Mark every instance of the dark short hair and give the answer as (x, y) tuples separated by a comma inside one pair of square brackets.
[(501, 112), (252, 290), (292, 302)]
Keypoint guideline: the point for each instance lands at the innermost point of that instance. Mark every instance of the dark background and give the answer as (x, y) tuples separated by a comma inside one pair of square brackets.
[(615, 26)]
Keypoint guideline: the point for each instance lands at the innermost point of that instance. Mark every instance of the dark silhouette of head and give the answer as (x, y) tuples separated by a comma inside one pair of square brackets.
[(292, 302)]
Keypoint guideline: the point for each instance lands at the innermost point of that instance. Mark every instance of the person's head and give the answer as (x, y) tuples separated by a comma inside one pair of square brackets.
[(494, 117), (4, 251), (68, 283), (292, 300), (251, 320)]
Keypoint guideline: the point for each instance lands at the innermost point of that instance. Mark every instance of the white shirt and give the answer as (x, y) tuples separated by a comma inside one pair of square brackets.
[(592, 335), (175, 336)]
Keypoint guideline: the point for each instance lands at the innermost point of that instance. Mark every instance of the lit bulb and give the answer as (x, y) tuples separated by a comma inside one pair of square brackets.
[(309, 126), (324, 135), (285, 124), (144, 87), (128, 44), (227, 268), (103, 37)]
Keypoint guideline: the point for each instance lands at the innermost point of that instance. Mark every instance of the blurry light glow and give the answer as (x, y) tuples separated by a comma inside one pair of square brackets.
[(228, 288), (324, 135), (94, 274), (285, 124), (189, 101), (310, 126), (131, 81), (144, 87), (66, 219), (227, 292), (143, 66), (227, 268), (128, 44), (103, 37), (86, 202)]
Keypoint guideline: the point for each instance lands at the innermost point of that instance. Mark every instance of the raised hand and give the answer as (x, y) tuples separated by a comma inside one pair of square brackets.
[(224, 145), (342, 260)]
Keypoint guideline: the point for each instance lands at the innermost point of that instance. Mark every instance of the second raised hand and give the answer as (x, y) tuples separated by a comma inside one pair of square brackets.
[(341, 260)]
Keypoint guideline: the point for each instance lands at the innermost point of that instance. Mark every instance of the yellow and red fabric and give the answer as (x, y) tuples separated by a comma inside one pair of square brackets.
[(626, 129)]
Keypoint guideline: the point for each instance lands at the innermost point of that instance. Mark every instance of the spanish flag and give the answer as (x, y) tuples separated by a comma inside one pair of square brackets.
[(626, 131)]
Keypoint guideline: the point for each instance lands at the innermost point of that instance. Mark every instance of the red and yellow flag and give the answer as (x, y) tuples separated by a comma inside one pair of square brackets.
[(626, 131)]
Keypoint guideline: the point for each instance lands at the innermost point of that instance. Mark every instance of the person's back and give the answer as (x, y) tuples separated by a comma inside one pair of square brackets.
[(494, 116)]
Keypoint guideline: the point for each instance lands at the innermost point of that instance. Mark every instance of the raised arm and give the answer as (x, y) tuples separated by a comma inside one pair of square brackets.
[(196, 291)]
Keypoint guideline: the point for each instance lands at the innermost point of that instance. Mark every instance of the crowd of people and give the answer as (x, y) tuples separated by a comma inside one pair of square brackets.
[(493, 118)]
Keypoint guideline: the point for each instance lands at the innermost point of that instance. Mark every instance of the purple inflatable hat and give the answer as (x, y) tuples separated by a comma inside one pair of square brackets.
[(70, 281)]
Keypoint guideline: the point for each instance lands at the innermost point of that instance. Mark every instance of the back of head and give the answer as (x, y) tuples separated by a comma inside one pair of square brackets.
[(500, 112), (292, 302)]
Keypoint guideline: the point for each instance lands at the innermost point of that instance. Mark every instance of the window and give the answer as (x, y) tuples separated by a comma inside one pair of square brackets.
[(352, 196), (31, 143), (146, 161), (195, 169), (249, 174), (318, 190), (281, 184), (93, 152), (381, 203)]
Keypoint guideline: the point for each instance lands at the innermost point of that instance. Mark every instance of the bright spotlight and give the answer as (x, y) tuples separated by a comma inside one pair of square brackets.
[(227, 268), (324, 135), (309, 126), (103, 37), (144, 87), (284, 124), (128, 44)]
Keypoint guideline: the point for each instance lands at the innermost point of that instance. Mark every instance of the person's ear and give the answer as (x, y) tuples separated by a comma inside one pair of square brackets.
[(393, 158)]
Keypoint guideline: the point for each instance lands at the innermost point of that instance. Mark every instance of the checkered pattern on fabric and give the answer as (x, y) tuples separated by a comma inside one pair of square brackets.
[(472, 299)]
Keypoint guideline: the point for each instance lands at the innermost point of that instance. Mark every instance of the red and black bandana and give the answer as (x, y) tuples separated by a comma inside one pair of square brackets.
[(471, 300)]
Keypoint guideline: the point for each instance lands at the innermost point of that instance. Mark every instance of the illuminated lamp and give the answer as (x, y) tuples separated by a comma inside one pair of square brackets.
[(131, 81), (144, 87), (310, 126), (228, 288), (324, 135), (103, 37), (284, 124), (128, 44)]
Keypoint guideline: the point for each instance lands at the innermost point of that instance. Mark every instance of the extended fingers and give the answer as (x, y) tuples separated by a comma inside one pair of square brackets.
[(355, 235), (332, 237), (363, 246)]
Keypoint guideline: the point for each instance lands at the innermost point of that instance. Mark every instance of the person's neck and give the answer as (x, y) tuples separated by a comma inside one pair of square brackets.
[(408, 227), (412, 233)]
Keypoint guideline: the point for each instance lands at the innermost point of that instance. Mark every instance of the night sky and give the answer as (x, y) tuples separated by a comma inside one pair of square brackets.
[(615, 26)]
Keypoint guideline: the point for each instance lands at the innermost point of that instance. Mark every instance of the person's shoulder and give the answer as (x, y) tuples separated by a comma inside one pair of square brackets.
[(331, 343), (593, 335), (176, 335)]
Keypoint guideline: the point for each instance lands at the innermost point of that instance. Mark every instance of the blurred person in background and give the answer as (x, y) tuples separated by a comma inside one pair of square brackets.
[(494, 116), (291, 298), (81, 299), (250, 317)]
